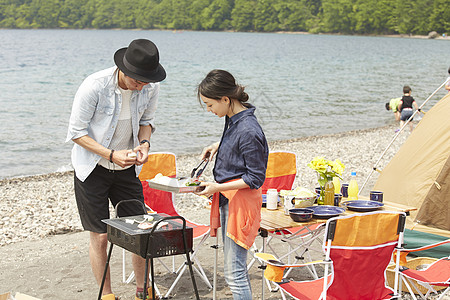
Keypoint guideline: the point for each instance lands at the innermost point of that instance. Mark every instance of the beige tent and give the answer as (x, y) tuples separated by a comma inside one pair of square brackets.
[(419, 174)]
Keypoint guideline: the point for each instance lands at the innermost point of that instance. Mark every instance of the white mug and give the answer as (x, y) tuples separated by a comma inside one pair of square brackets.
[(272, 199)]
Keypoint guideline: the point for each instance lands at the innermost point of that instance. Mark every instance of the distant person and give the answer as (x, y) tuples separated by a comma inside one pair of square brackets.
[(111, 124), (239, 172), (393, 105), (406, 107), (447, 85)]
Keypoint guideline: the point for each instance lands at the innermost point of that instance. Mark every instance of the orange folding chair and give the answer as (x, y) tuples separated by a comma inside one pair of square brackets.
[(358, 249), (281, 171), (280, 174), (163, 202), (434, 277)]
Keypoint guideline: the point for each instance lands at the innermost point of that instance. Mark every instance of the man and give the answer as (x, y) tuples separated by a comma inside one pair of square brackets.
[(393, 105), (111, 124)]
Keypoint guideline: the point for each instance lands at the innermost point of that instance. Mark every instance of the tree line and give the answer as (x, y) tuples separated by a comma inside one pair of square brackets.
[(314, 16)]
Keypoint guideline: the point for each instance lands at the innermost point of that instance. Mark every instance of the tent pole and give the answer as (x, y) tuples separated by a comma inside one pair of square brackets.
[(396, 135)]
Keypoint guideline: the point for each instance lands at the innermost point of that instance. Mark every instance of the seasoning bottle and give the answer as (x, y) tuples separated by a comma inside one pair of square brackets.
[(329, 192), (353, 189), (289, 202)]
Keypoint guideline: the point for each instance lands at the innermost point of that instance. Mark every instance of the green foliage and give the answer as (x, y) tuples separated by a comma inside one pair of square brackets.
[(315, 16)]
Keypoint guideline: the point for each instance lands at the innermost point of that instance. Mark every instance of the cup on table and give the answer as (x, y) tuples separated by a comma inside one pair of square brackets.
[(272, 199), (376, 196), (337, 199), (344, 190)]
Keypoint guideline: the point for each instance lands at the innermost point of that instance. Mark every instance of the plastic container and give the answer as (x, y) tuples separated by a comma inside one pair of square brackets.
[(329, 192), (353, 189)]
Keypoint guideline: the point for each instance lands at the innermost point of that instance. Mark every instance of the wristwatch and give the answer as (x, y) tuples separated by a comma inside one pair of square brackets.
[(145, 141)]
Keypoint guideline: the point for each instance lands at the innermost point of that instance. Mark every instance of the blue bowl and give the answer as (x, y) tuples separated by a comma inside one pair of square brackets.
[(301, 214)]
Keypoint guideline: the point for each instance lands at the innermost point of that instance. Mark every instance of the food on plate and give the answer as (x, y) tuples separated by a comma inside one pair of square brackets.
[(161, 179), (174, 182), (192, 182), (298, 192)]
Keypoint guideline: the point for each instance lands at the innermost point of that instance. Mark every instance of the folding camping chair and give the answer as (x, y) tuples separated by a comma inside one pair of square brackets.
[(163, 202), (358, 249), (280, 175), (434, 277)]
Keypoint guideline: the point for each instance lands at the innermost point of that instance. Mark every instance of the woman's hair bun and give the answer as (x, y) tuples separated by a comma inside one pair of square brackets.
[(241, 95)]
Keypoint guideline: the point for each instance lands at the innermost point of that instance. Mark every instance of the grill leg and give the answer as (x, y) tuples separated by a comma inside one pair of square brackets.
[(188, 259), (152, 274), (192, 273), (153, 278), (105, 271)]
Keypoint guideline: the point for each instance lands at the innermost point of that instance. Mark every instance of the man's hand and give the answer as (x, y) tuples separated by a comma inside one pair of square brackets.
[(141, 154), (124, 158)]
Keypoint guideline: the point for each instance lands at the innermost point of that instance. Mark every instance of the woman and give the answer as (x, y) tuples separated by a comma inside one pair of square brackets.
[(239, 172)]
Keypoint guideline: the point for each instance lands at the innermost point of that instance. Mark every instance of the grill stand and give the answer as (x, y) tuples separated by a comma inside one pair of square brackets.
[(150, 257)]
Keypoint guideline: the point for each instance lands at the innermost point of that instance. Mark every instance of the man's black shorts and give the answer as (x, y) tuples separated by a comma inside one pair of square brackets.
[(102, 184)]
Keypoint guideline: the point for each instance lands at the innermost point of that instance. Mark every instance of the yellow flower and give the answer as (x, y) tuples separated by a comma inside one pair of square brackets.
[(326, 168), (337, 166), (319, 164)]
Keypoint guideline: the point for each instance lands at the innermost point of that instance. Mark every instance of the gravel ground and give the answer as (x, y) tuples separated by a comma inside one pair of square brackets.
[(44, 250)]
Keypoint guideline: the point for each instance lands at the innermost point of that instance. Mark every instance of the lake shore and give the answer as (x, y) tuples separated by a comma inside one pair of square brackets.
[(33, 207), (44, 250), (411, 36)]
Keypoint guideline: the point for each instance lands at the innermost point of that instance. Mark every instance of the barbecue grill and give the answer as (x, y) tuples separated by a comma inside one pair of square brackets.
[(168, 236)]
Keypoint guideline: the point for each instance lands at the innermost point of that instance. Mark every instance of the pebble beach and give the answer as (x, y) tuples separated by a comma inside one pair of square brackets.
[(44, 249), (34, 207)]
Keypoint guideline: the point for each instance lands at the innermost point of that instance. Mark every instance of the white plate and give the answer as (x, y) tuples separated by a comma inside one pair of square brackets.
[(174, 186)]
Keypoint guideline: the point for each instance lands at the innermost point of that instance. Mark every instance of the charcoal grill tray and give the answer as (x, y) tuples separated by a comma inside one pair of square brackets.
[(164, 241), (132, 229)]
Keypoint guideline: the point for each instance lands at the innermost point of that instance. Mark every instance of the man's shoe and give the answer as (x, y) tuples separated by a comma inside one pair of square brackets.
[(140, 295), (109, 297)]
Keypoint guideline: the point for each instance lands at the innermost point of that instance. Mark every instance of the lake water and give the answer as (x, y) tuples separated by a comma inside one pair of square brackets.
[(302, 85)]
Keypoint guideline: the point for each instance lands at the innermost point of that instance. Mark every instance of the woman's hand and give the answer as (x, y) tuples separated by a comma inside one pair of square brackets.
[(210, 188), (209, 151)]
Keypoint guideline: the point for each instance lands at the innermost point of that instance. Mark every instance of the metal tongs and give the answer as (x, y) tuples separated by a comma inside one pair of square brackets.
[(197, 171)]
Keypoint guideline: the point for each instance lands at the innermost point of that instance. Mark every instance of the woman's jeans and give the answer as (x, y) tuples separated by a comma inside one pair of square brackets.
[(235, 262)]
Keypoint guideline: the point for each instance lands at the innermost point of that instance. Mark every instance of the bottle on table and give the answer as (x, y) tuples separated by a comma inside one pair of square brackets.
[(353, 189), (289, 202), (272, 199), (337, 185), (329, 192)]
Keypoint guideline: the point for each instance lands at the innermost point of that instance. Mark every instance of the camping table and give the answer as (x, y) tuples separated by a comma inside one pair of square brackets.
[(272, 220)]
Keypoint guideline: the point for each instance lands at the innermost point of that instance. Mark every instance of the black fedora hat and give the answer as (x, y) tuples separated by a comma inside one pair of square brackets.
[(140, 61)]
